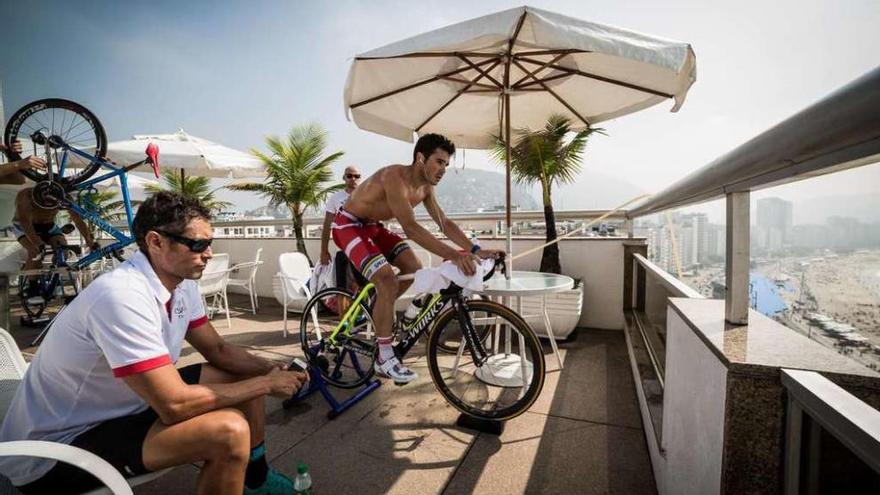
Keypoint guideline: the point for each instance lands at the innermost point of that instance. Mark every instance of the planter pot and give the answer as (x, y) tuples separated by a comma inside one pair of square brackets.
[(564, 309)]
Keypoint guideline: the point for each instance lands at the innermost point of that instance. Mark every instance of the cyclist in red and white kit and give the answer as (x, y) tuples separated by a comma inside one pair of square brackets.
[(393, 192)]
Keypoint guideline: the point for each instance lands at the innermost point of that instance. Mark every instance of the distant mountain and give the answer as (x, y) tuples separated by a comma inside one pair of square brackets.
[(468, 190), (594, 191), (471, 190)]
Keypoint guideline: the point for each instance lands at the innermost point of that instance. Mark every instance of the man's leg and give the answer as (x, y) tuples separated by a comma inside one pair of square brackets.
[(221, 438), (408, 263), (254, 410), (387, 289)]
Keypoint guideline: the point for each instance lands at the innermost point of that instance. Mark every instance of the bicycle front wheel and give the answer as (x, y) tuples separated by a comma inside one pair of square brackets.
[(510, 378), (64, 133), (346, 362)]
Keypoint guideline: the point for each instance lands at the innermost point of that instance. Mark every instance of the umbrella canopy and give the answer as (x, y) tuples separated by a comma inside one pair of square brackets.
[(196, 156), (476, 79), (452, 80), (135, 183)]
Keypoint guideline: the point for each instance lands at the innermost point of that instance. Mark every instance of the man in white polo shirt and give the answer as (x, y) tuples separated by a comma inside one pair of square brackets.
[(351, 176), (104, 377)]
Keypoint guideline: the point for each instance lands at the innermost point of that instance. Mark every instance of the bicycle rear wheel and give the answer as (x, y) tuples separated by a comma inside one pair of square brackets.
[(507, 383), (347, 363), (48, 129)]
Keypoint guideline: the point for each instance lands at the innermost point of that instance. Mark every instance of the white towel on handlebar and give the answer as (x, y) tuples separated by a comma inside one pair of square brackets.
[(431, 280)]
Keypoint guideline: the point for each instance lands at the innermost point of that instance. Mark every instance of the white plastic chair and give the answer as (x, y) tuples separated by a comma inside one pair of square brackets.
[(248, 270), (12, 369), (213, 285), (427, 262), (293, 276)]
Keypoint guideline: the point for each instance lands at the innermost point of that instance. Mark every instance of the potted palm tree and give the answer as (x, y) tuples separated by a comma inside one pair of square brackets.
[(298, 173), (548, 157)]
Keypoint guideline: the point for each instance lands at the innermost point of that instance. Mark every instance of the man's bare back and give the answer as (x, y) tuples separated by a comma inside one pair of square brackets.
[(370, 200)]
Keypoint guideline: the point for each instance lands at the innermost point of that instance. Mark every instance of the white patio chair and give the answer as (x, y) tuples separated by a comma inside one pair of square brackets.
[(213, 285), (248, 280), (12, 369), (293, 277)]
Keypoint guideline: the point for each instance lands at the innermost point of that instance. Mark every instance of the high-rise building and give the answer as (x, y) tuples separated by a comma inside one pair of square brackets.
[(774, 222)]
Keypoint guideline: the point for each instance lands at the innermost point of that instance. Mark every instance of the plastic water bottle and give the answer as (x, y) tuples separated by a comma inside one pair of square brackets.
[(302, 484), (412, 310)]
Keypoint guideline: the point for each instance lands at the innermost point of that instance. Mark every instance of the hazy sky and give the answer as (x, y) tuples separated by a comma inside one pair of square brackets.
[(233, 72)]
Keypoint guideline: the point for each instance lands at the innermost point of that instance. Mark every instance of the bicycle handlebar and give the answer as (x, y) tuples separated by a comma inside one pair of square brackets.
[(499, 261)]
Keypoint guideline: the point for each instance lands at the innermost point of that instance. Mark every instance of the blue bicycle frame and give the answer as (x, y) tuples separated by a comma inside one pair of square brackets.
[(122, 240)]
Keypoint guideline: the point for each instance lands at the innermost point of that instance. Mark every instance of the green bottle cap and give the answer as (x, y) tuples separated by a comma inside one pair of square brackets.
[(302, 468)]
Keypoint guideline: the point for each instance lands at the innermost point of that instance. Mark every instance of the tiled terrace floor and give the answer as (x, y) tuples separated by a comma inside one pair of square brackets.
[(583, 436)]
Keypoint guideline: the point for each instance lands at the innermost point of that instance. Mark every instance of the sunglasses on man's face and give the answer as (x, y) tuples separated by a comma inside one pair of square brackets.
[(194, 245), (352, 176)]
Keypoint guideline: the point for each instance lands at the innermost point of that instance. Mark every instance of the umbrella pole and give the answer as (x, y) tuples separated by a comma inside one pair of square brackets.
[(507, 179), (182, 177)]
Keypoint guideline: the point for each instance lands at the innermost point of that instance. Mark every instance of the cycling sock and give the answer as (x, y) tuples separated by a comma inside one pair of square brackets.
[(386, 350), (257, 468)]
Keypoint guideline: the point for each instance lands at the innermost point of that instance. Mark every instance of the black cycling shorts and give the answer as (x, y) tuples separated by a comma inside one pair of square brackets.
[(118, 441)]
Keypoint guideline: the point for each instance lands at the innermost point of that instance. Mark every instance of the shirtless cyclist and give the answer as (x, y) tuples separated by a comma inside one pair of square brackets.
[(393, 192)]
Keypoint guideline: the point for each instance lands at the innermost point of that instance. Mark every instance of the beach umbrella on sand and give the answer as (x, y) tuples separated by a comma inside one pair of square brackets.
[(513, 69), (191, 154)]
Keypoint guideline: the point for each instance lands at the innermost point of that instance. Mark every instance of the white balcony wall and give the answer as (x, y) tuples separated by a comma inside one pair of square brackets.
[(596, 261)]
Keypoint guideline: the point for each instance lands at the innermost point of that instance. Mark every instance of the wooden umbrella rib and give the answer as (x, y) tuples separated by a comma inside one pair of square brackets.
[(598, 78), (420, 83), (565, 51), (465, 81), (542, 67), (559, 98), (430, 55), (484, 73), (527, 86), (459, 93)]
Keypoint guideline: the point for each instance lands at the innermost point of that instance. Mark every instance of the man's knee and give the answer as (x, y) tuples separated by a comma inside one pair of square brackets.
[(230, 433), (385, 280)]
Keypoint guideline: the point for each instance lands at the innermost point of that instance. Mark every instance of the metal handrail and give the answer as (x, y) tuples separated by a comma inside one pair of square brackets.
[(838, 132), (853, 422), (672, 284)]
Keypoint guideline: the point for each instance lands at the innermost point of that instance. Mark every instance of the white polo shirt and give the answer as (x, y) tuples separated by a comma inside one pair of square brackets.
[(336, 201), (125, 322)]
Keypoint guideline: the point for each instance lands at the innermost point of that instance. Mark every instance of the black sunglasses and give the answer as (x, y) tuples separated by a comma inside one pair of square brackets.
[(352, 176), (194, 245)]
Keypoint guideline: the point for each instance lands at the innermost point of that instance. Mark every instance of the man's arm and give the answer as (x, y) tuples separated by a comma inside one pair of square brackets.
[(175, 401), (447, 226), (225, 356), (403, 212), (325, 238)]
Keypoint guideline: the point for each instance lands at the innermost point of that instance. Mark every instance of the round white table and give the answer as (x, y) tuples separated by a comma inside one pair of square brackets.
[(504, 368)]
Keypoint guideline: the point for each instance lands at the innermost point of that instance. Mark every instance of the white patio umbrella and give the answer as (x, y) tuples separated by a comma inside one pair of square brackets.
[(136, 183), (191, 154), (513, 69)]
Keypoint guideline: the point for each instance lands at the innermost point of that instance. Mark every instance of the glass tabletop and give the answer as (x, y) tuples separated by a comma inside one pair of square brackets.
[(523, 283)]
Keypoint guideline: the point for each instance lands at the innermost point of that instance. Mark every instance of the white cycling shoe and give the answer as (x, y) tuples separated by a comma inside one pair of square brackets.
[(395, 370)]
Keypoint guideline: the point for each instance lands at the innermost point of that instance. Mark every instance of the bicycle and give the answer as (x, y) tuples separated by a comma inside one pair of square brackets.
[(73, 143), (75, 164), (492, 382)]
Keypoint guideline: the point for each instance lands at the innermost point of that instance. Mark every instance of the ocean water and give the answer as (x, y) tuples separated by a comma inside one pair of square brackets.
[(764, 295)]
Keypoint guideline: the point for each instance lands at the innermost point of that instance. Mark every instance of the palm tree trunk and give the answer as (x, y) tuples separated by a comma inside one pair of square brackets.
[(550, 257), (298, 232)]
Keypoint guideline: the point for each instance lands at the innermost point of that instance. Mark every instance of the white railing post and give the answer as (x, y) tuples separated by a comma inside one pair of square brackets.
[(736, 265)]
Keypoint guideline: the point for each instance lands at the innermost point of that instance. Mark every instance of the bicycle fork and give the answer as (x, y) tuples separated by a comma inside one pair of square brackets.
[(469, 334)]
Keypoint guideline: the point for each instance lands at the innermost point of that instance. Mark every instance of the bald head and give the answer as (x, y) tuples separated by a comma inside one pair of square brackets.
[(352, 177)]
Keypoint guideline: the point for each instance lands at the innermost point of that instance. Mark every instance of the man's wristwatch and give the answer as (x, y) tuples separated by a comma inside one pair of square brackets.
[(475, 248)]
